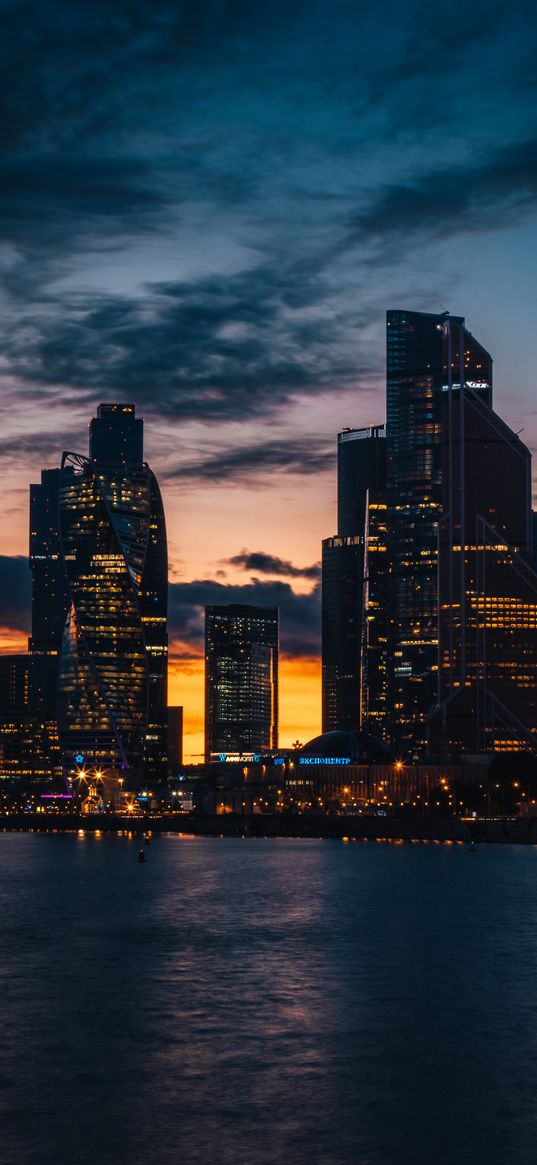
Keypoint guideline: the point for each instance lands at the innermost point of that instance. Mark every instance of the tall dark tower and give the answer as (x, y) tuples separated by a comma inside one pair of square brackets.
[(487, 679), (112, 687), (423, 351), (361, 466), (17, 751), (116, 436), (50, 600), (241, 678), (361, 481), (377, 631)]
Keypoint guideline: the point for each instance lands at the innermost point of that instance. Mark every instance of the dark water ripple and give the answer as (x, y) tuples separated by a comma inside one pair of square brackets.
[(265, 1002)]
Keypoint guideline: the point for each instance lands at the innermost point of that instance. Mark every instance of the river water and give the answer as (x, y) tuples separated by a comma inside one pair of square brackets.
[(250, 1002)]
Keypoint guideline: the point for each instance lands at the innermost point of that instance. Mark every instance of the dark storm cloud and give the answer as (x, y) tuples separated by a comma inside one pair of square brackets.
[(306, 132), (73, 71), (481, 195), (15, 593), (223, 349), (37, 448), (65, 194), (250, 462), (67, 65), (239, 345), (262, 563), (300, 615)]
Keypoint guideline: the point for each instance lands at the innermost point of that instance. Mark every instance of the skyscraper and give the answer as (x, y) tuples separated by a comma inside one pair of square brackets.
[(14, 695), (361, 481), (377, 629), (241, 678), (50, 600), (342, 624), (423, 351), (112, 682), (361, 466), (487, 690), (15, 734), (28, 738), (116, 436)]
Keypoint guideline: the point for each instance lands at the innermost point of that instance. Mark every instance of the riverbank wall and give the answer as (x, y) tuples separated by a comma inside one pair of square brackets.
[(370, 828), (356, 828)]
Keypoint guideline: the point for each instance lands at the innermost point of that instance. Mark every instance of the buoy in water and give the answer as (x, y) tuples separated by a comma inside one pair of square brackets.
[(141, 856)]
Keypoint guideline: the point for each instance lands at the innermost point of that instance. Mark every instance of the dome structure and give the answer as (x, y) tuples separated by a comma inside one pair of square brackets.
[(358, 748)]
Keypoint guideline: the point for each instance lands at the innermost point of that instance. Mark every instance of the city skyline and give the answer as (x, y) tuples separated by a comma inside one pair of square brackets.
[(208, 215), (295, 589)]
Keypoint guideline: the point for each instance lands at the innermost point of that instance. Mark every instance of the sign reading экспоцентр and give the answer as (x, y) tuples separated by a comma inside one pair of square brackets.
[(324, 760)]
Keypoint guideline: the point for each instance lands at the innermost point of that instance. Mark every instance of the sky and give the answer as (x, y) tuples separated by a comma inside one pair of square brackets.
[(206, 208)]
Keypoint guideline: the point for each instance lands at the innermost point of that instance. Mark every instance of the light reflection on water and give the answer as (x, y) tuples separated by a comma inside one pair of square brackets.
[(264, 1002)]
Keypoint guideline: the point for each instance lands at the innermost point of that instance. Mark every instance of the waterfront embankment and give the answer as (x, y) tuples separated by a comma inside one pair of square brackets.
[(285, 825)]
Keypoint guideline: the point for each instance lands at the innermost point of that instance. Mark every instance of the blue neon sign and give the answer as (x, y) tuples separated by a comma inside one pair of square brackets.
[(324, 760), (237, 758)]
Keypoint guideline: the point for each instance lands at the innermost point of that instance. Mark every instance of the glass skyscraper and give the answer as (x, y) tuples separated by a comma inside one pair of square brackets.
[(377, 628), (361, 482), (50, 600), (28, 736), (425, 352), (342, 602), (50, 603), (487, 689), (112, 681), (241, 678)]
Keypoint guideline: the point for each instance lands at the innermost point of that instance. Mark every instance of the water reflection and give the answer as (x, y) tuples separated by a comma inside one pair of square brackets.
[(259, 1003)]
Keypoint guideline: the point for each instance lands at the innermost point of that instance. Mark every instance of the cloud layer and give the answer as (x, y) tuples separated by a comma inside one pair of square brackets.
[(299, 614), (201, 204), (262, 563)]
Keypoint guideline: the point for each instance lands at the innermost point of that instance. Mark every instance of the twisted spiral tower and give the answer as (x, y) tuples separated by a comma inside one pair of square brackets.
[(113, 658)]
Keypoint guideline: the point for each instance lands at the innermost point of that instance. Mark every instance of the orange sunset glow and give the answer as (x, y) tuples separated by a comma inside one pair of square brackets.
[(300, 702)]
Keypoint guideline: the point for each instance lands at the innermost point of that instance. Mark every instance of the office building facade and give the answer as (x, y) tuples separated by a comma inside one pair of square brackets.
[(15, 724), (112, 681), (50, 599), (40, 753), (361, 483), (377, 625), (425, 352), (29, 747), (487, 690), (241, 678)]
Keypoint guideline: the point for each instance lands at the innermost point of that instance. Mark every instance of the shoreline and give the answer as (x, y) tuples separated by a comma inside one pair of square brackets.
[(367, 828)]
